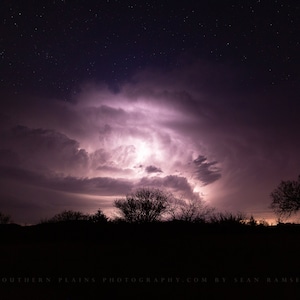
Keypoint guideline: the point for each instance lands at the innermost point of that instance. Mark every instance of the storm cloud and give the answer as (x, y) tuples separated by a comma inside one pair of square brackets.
[(206, 172), (153, 169), (190, 131)]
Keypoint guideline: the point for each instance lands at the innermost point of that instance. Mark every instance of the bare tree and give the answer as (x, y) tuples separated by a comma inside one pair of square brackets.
[(286, 198), (144, 205), (67, 215), (191, 210)]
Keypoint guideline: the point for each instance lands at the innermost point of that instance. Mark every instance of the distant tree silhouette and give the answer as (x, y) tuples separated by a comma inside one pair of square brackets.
[(286, 198), (144, 205), (67, 215), (191, 210), (263, 223), (252, 221), (98, 217), (4, 219), (228, 218)]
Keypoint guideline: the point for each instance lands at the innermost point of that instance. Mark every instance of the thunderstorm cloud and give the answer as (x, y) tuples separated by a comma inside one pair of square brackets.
[(191, 132)]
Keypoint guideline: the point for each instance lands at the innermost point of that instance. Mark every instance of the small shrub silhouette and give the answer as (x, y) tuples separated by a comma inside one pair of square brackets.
[(229, 219)]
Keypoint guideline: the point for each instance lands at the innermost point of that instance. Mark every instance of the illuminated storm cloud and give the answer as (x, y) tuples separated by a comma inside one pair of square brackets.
[(163, 130)]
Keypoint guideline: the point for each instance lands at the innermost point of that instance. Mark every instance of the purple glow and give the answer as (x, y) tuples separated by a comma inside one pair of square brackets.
[(165, 130)]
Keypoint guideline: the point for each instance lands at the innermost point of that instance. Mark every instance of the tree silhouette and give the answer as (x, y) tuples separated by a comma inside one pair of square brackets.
[(144, 205), (286, 198), (252, 221), (4, 219), (229, 219), (191, 210), (67, 215), (98, 217)]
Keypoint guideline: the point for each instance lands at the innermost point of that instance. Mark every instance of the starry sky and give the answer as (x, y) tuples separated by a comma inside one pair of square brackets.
[(98, 98)]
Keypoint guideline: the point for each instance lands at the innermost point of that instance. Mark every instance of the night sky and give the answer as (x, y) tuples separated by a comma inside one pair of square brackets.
[(102, 97)]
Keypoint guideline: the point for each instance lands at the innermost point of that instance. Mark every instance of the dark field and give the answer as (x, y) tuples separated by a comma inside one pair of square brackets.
[(154, 261)]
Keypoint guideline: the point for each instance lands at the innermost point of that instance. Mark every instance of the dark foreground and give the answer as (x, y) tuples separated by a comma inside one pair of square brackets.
[(156, 261)]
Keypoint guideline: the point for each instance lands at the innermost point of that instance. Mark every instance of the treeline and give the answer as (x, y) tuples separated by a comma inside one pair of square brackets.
[(149, 205), (220, 218), (99, 217)]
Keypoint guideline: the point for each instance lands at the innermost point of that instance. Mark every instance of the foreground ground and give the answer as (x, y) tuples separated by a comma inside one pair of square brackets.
[(169, 261)]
